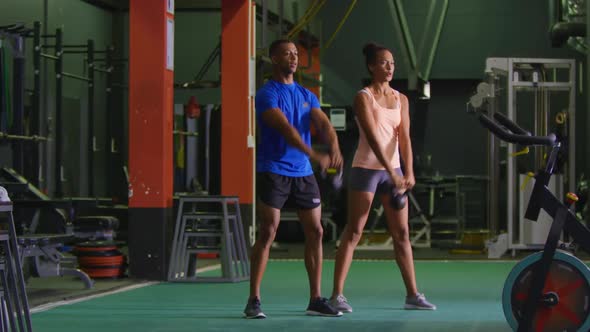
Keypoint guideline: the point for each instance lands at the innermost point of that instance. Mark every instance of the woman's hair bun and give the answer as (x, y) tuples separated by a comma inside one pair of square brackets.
[(368, 48)]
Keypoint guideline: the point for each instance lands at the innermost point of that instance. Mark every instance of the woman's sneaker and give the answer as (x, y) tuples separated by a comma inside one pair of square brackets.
[(321, 307), (340, 303), (418, 302), (253, 309)]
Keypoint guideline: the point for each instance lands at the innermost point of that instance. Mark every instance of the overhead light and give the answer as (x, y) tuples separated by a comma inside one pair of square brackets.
[(425, 90)]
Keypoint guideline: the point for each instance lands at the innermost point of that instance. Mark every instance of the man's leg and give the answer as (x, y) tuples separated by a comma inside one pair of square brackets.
[(312, 228), (309, 211), (269, 218), (273, 191)]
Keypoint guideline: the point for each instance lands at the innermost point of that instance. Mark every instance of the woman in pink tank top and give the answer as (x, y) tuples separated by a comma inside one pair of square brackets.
[(383, 119)]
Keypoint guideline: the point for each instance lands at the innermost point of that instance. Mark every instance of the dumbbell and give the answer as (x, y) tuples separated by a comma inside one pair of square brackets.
[(398, 200), (335, 177)]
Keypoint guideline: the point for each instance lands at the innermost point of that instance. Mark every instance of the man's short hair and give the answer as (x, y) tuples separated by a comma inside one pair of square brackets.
[(274, 46)]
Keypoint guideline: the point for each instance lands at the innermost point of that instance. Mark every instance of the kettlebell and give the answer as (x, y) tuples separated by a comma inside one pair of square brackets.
[(335, 177), (398, 200)]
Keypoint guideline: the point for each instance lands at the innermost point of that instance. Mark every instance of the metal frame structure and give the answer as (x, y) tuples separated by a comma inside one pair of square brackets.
[(113, 140), (508, 69), (13, 38), (419, 61), (209, 225)]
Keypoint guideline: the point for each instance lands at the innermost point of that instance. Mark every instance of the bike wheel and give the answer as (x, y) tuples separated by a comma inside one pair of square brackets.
[(566, 304)]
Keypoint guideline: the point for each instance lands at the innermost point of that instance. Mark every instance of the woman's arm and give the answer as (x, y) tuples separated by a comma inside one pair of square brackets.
[(405, 144)]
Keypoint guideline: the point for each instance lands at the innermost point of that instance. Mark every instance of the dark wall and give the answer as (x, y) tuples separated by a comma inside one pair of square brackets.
[(473, 31)]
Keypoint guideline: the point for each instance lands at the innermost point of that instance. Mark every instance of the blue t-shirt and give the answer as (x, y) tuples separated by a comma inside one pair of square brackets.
[(273, 153)]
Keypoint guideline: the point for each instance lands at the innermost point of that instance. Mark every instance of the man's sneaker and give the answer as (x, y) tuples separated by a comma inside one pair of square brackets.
[(340, 303), (253, 309), (418, 302), (321, 307)]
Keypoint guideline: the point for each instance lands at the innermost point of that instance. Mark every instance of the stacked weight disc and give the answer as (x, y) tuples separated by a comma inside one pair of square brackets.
[(101, 259)]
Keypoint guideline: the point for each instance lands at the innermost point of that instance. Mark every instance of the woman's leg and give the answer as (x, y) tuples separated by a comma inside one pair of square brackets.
[(397, 222), (359, 206)]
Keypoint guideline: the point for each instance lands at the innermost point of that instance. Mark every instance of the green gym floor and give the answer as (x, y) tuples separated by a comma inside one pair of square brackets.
[(467, 293)]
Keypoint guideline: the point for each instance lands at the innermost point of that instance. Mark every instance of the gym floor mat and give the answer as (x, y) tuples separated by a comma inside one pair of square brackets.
[(467, 293)]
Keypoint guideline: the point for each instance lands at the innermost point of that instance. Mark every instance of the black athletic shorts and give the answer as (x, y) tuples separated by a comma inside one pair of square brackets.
[(275, 190)]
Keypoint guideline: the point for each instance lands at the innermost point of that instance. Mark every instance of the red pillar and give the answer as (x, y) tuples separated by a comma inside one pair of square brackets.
[(238, 49), (310, 65), (236, 122), (151, 46), (237, 112)]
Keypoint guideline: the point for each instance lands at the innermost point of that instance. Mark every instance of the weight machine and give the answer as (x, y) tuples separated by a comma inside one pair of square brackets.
[(547, 86)]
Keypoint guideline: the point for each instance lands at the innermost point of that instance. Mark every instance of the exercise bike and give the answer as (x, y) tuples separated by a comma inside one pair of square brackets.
[(548, 290)]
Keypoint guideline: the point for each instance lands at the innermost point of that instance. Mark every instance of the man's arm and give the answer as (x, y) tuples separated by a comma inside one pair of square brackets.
[(323, 125), (276, 120)]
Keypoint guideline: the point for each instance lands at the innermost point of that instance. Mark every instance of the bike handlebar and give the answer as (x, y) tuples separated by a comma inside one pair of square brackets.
[(505, 121), (521, 137)]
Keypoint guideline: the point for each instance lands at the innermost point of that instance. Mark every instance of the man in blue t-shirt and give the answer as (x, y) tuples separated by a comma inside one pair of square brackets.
[(285, 111)]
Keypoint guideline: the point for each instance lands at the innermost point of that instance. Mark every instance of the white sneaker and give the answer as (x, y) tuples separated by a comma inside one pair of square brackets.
[(341, 304), (418, 302)]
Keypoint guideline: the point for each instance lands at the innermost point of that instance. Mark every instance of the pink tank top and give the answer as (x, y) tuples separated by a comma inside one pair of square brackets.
[(387, 122)]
